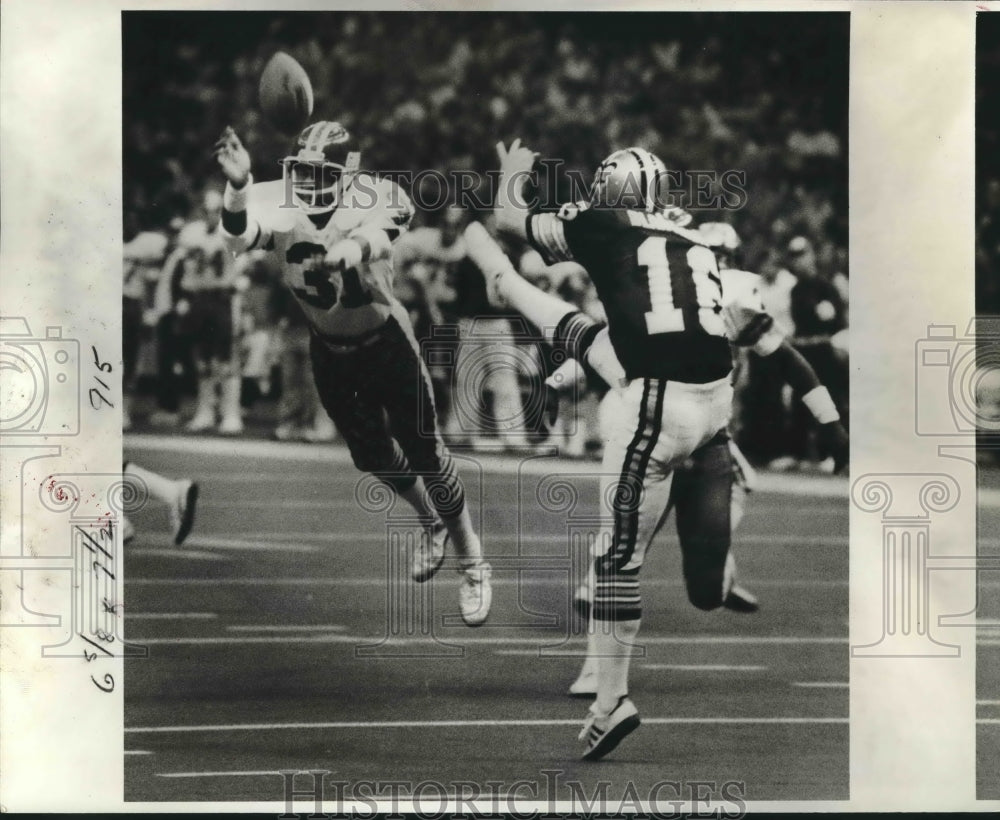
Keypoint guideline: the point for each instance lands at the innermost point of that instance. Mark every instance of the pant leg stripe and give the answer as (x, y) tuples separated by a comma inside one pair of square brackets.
[(635, 471), (616, 596)]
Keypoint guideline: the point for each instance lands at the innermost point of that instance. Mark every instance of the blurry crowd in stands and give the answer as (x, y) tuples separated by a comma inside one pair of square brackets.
[(437, 92)]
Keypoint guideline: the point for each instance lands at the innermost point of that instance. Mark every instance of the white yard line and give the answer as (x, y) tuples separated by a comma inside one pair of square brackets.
[(251, 544), (169, 616), (466, 724), (218, 774), (454, 639), (677, 667), (186, 554), (286, 628), (819, 684)]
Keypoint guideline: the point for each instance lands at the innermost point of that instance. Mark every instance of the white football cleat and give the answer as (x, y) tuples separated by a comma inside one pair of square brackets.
[(602, 733), (231, 426), (201, 422), (475, 595), (429, 553), (182, 510)]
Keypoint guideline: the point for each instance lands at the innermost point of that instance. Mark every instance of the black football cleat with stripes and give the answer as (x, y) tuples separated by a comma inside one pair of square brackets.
[(603, 734)]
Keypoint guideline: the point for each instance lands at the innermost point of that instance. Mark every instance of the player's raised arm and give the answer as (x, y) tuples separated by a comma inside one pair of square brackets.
[(564, 325), (749, 325), (511, 208), (240, 232)]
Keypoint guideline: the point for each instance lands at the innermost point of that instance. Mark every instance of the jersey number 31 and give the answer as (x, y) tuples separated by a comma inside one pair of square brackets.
[(692, 275), (319, 291)]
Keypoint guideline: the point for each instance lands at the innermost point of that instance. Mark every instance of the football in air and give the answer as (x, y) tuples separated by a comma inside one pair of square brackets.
[(286, 95)]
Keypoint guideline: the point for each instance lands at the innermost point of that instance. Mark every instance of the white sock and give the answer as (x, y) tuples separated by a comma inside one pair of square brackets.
[(590, 662), (160, 487), (542, 309), (463, 536), (613, 643)]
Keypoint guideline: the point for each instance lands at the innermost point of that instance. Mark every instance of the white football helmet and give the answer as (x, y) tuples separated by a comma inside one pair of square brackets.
[(629, 178), (323, 168)]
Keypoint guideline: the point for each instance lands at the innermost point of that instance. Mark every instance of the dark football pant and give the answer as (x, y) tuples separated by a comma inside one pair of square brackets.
[(379, 394), (701, 499), (210, 326)]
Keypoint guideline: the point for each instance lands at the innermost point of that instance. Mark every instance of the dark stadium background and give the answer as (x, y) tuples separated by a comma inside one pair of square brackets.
[(705, 91)]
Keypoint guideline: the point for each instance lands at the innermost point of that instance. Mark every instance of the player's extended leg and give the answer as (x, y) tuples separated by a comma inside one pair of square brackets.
[(347, 383), (199, 320), (505, 287), (229, 366), (690, 480), (180, 496), (408, 395), (703, 502), (669, 422), (637, 494)]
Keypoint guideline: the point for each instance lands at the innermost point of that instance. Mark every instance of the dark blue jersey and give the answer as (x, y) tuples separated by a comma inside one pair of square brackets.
[(659, 284)]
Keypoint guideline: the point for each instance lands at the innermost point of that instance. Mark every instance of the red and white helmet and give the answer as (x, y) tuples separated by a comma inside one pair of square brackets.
[(323, 168), (629, 178)]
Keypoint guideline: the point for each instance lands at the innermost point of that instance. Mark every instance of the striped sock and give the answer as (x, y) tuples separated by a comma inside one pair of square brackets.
[(613, 641)]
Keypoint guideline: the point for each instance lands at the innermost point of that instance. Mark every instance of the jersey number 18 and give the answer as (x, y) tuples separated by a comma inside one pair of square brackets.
[(680, 279)]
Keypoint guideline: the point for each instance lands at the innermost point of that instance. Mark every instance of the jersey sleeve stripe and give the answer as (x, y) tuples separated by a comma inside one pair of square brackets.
[(546, 234), (575, 333)]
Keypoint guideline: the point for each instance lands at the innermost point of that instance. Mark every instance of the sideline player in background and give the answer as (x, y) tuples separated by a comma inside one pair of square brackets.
[(661, 289), (330, 228), (701, 489), (207, 310)]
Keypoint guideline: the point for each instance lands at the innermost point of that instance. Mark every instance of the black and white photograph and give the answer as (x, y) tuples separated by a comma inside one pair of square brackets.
[(486, 407), (581, 407), (988, 396)]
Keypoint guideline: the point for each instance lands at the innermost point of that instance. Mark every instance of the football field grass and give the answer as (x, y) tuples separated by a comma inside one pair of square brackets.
[(284, 636)]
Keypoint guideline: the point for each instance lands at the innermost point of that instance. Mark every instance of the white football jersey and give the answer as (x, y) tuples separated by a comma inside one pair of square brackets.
[(340, 304), (748, 324), (209, 267)]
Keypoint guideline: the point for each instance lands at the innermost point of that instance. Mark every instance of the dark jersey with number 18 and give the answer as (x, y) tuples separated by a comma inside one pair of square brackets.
[(659, 284)]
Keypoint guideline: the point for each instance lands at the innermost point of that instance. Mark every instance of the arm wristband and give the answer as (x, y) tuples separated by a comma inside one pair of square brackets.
[(235, 199), (821, 405)]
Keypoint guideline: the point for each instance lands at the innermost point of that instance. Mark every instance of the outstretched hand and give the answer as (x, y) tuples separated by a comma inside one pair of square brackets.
[(515, 159), (233, 158)]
